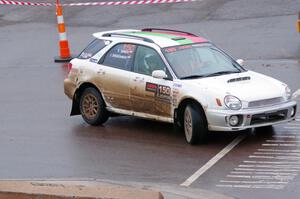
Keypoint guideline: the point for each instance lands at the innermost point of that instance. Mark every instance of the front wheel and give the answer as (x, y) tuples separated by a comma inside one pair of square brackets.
[(92, 107), (195, 125)]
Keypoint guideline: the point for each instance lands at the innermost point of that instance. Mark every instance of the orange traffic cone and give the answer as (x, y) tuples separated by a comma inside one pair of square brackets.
[(298, 23), (65, 55)]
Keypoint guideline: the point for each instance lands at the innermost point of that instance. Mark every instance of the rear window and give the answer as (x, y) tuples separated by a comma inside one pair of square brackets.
[(94, 47)]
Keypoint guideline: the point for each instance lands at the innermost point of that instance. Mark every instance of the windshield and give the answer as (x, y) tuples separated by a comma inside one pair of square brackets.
[(200, 60)]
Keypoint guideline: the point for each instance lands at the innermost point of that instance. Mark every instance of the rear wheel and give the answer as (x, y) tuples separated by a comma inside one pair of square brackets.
[(92, 107), (194, 124)]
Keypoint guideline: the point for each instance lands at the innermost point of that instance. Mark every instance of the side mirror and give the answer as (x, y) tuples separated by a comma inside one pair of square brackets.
[(159, 74), (240, 62)]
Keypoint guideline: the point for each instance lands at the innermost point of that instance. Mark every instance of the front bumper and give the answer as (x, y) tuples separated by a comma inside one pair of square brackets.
[(250, 118)]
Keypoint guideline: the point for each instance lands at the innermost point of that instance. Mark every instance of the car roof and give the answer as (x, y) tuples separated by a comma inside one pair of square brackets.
[(161, 37)]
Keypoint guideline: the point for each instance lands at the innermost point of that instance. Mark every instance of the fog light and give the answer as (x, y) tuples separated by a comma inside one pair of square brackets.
[(233, 120), (293, 112)]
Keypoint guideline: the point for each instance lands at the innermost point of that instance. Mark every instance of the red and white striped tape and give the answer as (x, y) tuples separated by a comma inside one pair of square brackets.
[(23, 3), (103, 3)]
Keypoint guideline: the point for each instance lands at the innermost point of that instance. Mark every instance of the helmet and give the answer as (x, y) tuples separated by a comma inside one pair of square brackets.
[(152, 62)]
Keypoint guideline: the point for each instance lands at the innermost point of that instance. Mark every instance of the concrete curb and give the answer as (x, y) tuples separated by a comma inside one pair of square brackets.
[(65, 190)]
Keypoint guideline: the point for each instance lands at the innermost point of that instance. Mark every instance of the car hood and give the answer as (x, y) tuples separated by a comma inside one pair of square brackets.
[(248, 86)]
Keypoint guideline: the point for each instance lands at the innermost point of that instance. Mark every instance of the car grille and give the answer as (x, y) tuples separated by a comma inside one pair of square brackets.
[(269, 117), (265, 102)]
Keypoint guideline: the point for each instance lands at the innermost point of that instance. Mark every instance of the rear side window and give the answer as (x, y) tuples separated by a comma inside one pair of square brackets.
[(120, 56), (94, 47)]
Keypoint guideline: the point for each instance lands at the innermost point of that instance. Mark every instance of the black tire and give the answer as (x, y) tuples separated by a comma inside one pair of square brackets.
[(194, 124), (92, 107)]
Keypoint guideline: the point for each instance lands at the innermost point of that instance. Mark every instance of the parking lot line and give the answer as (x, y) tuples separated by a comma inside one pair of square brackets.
[(271, 162), (276, 153), (266, 170), (285, 166), (280, 150), (213, 161), (263, 177), (251, 186), (281, 145), (284, 141), (264, 173), (291, 127), (286, 136), (252, 182), (294, 124)]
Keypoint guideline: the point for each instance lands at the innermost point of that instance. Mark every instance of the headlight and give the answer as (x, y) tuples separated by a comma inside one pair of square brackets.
[(232, 102), (288, 92)]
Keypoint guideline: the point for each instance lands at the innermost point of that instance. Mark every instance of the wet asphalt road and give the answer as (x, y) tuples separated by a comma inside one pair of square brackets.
[(38, 139)]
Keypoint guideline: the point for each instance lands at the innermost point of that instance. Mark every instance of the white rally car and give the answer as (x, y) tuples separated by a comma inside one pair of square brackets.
[(173, 76)]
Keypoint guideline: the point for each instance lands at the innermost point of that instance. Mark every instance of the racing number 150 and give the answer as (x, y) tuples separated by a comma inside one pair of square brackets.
[(164, 90)]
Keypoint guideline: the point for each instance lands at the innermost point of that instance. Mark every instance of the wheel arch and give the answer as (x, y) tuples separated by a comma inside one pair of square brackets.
[(76, 98), (178, 116)]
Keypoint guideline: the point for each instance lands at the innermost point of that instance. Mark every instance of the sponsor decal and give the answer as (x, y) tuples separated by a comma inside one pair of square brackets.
[(184, 47), (151, 87), (175, 93), (170, 50), (118, 56), (176, 85), (162, 92)]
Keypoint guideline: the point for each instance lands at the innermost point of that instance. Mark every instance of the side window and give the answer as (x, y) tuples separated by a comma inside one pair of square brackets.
[(120, 56), (147, 60), (94, 47)]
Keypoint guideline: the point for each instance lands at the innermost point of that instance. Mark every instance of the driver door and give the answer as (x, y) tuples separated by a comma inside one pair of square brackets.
[(148, 94)]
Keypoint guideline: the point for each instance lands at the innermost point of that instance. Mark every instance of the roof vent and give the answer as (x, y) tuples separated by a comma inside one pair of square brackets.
[(238, 79)]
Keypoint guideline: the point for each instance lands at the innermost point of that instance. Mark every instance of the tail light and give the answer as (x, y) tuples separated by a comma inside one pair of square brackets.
[(69, 67)]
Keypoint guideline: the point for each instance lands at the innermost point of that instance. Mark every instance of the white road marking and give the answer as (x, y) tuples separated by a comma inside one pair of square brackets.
[(270, 166), (264, 173), (269, 162), (263, 177), (262, 170), (289, 132), (273, 165), (251, 186), (291, 127), (213, 161), (284, 141), (280, 150), (275, 153), (275, 157), (286, 136), (252, 182), (293, 124), (280, 145)]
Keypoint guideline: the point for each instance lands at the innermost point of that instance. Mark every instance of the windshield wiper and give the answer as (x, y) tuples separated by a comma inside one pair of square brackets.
[(220, 73), (192, 76)]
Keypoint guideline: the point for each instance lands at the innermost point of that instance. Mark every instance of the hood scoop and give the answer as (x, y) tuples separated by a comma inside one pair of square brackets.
[(238, 79)]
